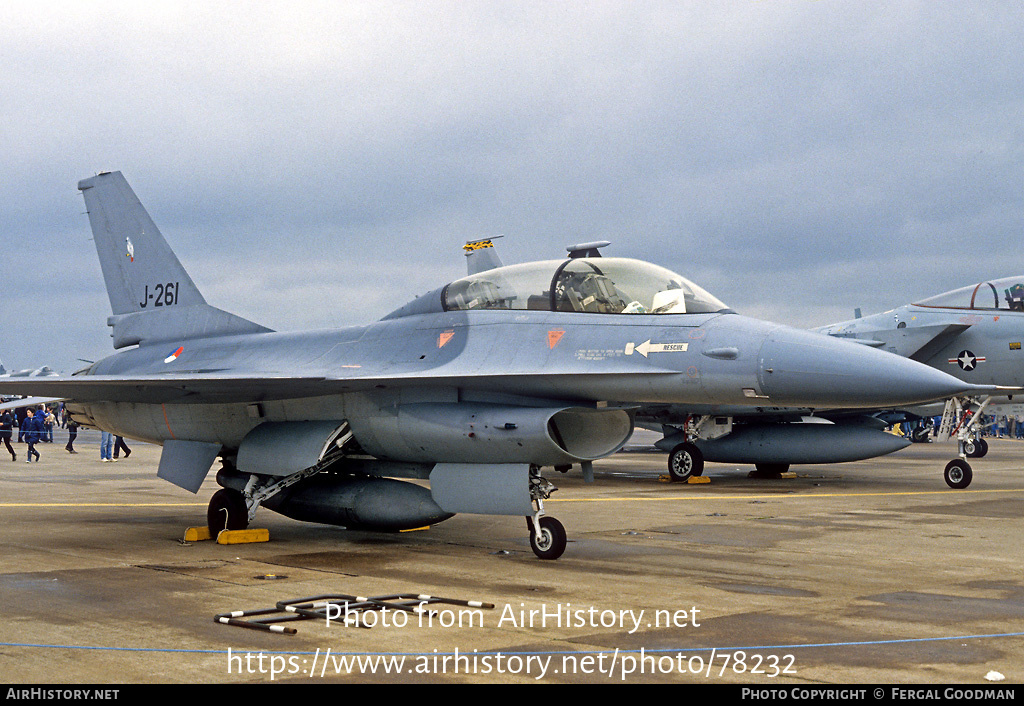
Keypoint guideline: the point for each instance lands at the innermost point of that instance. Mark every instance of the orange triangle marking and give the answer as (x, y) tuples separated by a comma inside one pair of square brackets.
[(444, 338), (554, 337)]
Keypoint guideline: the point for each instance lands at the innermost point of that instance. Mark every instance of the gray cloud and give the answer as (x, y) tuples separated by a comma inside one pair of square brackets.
[(317, 164)]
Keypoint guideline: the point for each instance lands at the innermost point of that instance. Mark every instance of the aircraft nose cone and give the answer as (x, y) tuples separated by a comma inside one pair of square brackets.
[(802, 368)]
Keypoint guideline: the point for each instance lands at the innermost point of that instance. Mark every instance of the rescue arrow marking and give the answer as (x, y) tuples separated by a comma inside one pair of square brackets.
[(647, 347)]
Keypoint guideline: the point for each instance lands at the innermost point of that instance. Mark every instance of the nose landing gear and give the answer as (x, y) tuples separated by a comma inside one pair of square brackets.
[(547, 535)]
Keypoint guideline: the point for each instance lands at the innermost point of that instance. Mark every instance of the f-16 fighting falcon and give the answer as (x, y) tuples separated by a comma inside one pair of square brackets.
[(473, 387)]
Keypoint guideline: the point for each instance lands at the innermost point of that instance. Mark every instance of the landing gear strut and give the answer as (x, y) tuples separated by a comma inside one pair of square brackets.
[(233, 509)]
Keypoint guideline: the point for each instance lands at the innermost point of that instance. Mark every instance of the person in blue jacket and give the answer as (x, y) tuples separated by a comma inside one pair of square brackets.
[(33, 427)]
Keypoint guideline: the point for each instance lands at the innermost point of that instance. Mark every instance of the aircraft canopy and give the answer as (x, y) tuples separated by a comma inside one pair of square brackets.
[(600, 285), (1006, 294)]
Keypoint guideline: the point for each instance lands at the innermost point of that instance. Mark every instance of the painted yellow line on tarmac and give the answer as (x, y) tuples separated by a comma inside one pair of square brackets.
[(776, 496)]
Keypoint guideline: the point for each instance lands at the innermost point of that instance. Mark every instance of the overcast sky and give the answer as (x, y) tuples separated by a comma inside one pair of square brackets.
[(317, 164)]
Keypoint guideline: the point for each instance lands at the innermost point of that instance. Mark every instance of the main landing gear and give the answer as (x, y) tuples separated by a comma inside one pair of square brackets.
[(975, 448), (227, 511), (231, 509), (684, 462)]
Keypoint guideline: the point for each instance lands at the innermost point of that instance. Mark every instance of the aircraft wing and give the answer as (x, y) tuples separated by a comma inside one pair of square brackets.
[(942, 337), (229, 388), (158, 389), (28, 402)]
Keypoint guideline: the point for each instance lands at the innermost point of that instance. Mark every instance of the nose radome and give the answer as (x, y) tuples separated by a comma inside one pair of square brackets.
[(802, 368)]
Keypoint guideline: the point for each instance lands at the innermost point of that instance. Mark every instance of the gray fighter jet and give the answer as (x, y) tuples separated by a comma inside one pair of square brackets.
[(474, 386), (974, 333), (44, 371), (14, 403)]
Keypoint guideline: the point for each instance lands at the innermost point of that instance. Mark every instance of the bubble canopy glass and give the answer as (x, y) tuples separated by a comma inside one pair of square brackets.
[(598, 285), (1005, 294)]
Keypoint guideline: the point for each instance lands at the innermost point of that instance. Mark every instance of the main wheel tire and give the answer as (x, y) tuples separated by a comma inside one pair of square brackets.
[(958, 474), (983, 448), (685, 460), (550, 543), (227, 510), (919, 435), (972, 448)]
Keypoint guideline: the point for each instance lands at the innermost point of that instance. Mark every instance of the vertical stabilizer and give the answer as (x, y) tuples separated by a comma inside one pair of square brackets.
[(151, 295), (139, 267)]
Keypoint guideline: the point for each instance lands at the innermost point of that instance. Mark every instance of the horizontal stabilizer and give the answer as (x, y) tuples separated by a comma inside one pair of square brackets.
[(177, 323), (29, 402), (186, 463)]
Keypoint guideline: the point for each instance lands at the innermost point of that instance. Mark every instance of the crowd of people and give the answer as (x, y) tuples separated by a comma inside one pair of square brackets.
[(36, 424), (1005, 426)]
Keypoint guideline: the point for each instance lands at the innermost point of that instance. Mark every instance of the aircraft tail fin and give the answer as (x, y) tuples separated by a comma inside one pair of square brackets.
[(151, 295)]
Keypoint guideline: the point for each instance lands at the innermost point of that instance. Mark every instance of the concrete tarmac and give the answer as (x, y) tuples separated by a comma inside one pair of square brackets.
[(863, 573)]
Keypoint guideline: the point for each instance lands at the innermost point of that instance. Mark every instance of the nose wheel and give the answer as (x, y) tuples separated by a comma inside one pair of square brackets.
[(958, 474), (547, 537)]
